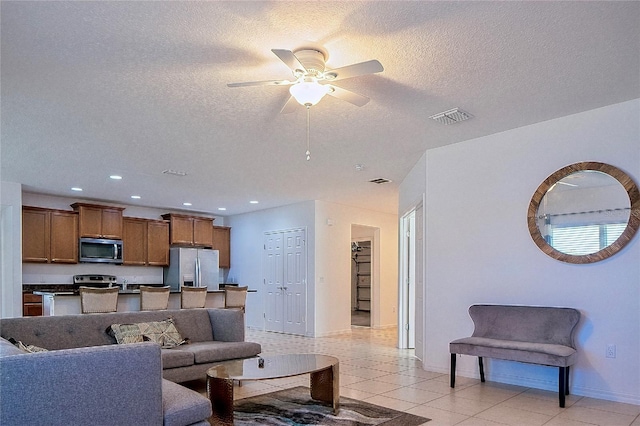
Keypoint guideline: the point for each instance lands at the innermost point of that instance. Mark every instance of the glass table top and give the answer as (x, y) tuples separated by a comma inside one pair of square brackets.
[(274, 366)]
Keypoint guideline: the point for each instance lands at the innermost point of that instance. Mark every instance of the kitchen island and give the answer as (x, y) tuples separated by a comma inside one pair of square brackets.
[(68, 302)]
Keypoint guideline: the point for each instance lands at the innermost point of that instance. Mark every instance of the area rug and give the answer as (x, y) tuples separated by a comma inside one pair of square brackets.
[(293, 407)]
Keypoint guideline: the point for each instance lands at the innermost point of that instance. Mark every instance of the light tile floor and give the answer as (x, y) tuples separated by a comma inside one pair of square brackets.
[(372, 369)]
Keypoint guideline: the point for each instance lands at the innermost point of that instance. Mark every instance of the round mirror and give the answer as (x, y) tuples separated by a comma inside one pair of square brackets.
[(584, 212)]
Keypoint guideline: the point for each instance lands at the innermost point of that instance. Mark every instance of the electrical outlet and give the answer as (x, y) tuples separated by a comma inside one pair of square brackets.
[(611, 351)]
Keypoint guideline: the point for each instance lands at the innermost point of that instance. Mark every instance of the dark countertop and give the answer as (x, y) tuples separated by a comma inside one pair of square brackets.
[(72, 289)]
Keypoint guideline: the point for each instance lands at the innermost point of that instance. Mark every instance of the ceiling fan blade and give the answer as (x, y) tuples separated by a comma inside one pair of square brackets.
[(370, 67), (261, 83), (289, 59), (290, 106), (346, 95)]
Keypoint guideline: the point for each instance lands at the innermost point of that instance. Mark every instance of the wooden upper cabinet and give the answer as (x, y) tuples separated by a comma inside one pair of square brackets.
[(36, 235), (99, 221), (202, 232), (134, 239), (49, 236), (222, 243), (157, 243), (64, 237), (181, 230), (145, 242), (192, 231)]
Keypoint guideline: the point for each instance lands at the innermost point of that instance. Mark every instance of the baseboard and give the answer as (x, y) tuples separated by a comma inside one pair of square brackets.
[(549, 385)]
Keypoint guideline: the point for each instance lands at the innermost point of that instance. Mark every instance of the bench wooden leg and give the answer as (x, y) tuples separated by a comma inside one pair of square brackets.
[(562, 385), (453, 370), (481, 365)]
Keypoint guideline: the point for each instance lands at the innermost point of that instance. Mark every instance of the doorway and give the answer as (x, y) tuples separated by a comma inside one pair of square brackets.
[(364, 283), (410, 291), (361, 283)]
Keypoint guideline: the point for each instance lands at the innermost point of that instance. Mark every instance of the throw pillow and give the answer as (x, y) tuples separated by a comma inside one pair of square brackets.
[(27, 348), (163, 332), (125, 333)]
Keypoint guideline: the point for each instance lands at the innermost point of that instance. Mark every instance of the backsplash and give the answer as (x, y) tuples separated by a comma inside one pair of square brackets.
[(34, 273), (45, 273)]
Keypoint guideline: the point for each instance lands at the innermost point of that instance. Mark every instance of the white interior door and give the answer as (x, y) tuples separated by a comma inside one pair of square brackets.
[(411, 284), (273, 276), (295, 285), (419, 279), (285, 279)]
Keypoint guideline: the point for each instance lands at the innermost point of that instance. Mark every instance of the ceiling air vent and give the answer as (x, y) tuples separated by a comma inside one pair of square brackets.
[(174, 172), (452, 116), (380, 180)]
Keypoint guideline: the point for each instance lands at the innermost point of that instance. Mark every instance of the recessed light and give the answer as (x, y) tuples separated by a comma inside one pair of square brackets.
[(187, 204), (136, 197), (115, 177), (75, 188), (222, 208), (253, 202)]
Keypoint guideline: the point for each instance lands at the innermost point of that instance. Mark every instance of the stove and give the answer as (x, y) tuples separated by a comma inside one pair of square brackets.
[(94, 280)]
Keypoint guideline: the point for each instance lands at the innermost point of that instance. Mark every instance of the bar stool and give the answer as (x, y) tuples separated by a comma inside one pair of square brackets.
[(193, 297), (235, 297), (98, 300), (154, 298)]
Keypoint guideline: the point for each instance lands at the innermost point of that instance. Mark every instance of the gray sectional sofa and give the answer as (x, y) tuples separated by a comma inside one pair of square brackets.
[(86, 378)]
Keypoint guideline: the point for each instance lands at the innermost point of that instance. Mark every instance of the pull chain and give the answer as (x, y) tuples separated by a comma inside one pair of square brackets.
[(308, 153)]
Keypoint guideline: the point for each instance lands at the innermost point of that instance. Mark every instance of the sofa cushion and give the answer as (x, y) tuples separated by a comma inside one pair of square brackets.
[(214, 351), (535, 353), (71, 331), (182, 406), (172, 358)]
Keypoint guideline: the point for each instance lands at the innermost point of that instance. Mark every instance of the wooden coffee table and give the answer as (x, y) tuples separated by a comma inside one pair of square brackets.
[(323, 370)]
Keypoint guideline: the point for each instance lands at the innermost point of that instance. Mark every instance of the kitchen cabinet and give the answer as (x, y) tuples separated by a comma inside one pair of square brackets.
[(191, 231), (157, 243), (31, 305), (222, 243), (99, 221), (145, 242), (49, 236)]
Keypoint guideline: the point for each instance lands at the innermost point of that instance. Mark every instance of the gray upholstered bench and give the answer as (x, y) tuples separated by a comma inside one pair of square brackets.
[(531, 334)]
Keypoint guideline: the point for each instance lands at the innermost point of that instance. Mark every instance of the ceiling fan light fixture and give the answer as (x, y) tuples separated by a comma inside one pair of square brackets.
[(308, 93)]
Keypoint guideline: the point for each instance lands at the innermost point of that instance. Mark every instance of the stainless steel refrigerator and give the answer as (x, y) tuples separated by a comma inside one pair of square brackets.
[(192, 267)]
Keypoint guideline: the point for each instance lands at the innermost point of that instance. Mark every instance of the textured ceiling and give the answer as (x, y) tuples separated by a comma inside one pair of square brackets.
[(91, 89)]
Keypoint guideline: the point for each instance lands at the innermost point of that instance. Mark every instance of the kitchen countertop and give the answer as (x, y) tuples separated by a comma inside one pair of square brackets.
[(72, 290)]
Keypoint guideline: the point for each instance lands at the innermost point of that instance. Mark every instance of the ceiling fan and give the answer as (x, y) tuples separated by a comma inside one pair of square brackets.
[(311, 81)]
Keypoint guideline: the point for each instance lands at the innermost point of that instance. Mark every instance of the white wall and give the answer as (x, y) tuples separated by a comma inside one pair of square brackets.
[(10, 249), (478, 249), (413, 186), (329, 254), (333, 266), (247, 236)]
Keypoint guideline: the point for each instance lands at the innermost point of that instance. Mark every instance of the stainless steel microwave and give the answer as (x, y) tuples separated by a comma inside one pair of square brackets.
[(96, 250)]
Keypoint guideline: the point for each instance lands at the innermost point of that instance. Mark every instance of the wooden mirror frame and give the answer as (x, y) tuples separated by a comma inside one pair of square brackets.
[(626, 236)]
